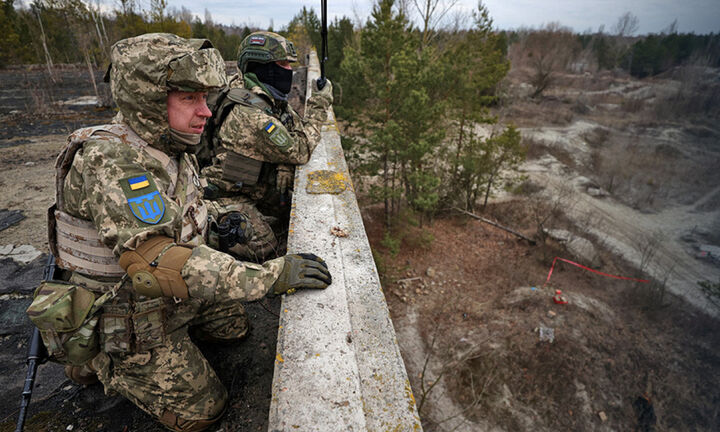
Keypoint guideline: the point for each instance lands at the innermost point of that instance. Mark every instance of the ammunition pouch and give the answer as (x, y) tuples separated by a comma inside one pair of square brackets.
[(149, 324), (116, 328), (67, 317), (240, 169), (125, 329)]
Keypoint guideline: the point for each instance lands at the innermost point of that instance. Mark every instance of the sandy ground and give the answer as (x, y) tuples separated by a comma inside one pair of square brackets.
[(27, 177), (624, 229)]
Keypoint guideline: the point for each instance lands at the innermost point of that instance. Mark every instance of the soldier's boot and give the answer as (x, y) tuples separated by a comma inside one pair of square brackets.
[(176, 423), (84, 374)]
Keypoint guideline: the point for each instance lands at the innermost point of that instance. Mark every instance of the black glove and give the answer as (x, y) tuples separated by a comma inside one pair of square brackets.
[(302, 271)]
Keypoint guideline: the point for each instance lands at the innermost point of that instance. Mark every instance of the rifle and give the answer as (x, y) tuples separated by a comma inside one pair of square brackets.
[(37, 355), (323, 55)]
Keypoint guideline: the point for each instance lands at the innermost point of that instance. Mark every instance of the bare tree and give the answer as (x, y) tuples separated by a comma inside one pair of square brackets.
[(448, 365), (652, 293), (548, 51), (432, 13), (672, 28), (547, 206), (626, 25), (48, 58), (458, 20)]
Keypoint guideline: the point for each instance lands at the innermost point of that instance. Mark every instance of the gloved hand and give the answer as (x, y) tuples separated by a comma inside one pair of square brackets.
[(326, 91), (302, 271), (284, 179)]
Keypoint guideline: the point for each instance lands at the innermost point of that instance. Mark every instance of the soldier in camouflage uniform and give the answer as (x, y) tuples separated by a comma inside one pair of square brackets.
[(129, 208), (257, 138)]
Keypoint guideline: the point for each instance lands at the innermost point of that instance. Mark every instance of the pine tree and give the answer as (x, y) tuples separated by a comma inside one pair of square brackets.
[(390, 101), (476, 63)]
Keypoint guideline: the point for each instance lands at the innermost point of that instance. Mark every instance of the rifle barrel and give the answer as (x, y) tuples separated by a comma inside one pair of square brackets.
[(35, 357)]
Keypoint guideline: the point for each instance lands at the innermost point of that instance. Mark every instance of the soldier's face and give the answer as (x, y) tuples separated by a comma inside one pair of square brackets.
[(188, 111), (284, 64)]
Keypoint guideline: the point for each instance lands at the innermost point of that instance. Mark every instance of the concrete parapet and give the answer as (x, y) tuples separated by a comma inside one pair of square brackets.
[(338, 365)]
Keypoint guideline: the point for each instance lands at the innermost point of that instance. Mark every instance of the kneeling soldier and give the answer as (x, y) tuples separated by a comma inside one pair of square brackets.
[(129, 201)]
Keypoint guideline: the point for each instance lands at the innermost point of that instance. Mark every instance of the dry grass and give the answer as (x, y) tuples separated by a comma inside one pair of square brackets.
[(607, 351)]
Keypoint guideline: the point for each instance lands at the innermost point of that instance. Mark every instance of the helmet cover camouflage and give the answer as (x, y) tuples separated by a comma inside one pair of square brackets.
[(146, 67), (265, 47)]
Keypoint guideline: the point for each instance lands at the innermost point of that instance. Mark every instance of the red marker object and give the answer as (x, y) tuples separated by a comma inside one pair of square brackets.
[(558, 298)]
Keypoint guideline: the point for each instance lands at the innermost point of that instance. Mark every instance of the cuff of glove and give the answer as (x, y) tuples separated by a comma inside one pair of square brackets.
[(275, 267)]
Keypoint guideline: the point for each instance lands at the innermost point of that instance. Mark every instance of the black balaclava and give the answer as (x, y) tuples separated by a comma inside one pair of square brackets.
[(272, 75)]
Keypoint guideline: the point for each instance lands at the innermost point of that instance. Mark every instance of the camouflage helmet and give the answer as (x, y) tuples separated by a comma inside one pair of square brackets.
[(265, 47), (146, 67)]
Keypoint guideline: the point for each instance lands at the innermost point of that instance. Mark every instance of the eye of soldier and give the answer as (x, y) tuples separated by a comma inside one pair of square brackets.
[(195, 97)]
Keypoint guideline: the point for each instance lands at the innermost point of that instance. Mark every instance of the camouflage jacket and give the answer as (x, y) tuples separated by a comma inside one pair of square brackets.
[(129, 192), (269, 131), (109, 175)]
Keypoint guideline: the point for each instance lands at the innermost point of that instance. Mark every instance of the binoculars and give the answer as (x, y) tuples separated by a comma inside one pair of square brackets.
[(233, 229)]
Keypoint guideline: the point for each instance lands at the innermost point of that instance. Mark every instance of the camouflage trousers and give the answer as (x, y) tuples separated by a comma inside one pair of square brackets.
[(174, 379)]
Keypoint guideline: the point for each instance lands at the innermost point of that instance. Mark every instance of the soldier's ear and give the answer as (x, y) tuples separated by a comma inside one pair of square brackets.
[(106, 78)]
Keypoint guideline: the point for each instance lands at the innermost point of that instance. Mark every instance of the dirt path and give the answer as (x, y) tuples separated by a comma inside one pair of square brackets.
[(624, 230), (440, 403)]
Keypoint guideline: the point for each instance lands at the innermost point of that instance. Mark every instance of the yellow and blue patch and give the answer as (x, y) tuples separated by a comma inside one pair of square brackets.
[(143, 198), (138, 182), (278, 135)]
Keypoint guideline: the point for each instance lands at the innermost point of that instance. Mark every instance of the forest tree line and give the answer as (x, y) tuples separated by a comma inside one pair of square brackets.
[(67, 30), (411, 95)]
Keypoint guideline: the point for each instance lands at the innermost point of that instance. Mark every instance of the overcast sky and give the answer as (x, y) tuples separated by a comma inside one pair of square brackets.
[(699, 16)]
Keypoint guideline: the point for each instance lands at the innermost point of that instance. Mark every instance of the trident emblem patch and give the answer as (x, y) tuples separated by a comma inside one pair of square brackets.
[(144, 200), (148, 208)]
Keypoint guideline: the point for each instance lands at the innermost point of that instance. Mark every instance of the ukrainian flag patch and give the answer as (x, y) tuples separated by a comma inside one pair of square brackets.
[(140, 182), (277, 135)]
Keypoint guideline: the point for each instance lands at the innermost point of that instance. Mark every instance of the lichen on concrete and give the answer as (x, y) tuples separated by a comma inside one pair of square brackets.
[(326, 182)]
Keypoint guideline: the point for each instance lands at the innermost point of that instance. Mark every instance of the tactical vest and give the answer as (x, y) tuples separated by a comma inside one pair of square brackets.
[(236, 168), (76, 243)]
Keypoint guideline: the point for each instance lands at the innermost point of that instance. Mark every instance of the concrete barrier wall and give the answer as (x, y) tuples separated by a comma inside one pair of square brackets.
[(338, 365)]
